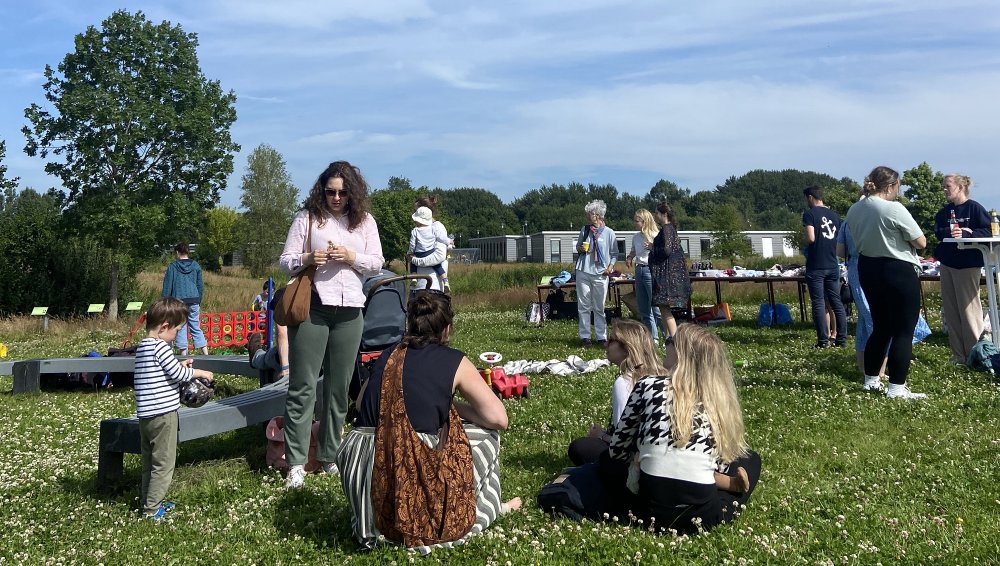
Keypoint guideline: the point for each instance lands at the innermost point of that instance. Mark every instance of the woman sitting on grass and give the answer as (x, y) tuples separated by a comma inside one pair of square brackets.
[(410, 469), (682, 429), (631, 348)]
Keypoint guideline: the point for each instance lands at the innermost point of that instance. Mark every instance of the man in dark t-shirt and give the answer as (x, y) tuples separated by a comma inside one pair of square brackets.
[(822, 270)]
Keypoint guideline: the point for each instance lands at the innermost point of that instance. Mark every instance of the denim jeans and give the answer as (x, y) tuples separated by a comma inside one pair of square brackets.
[(648, 314), (194, 323), (824, 287)]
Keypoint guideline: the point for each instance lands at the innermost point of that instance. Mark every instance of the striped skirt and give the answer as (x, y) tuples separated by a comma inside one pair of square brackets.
[(357, 458)]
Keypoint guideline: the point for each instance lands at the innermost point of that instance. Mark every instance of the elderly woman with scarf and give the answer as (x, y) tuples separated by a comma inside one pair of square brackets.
[(595, 262)]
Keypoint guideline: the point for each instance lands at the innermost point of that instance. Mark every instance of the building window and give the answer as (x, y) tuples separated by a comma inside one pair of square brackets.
[(706, 247), (555, 251), (620, 244), (686, 246)]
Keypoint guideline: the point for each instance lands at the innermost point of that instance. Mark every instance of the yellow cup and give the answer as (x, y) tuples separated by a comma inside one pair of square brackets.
[(586, 246)]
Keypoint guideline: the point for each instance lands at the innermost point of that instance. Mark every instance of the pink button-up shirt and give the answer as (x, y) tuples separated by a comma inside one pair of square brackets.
[(337, 283)]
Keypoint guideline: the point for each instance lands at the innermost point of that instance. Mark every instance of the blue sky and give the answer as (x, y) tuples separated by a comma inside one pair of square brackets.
[(509, 96)]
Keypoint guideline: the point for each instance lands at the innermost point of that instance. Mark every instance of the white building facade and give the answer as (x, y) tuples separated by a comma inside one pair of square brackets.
[(560, 246)]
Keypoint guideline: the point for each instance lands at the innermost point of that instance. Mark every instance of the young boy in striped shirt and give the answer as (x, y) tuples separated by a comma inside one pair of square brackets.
[(158, 379)]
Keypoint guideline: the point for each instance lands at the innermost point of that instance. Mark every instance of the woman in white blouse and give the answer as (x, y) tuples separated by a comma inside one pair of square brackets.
[(642, 241), (335, 233)]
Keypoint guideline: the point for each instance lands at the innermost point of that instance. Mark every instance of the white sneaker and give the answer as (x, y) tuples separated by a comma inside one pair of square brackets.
[(873, 384), (896, 391), (296, 477), (330, 468)]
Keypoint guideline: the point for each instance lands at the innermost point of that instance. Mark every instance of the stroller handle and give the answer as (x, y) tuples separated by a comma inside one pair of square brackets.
[(391, 280)]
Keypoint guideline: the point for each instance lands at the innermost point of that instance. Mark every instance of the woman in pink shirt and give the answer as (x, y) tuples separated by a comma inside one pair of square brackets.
[(335, 233)]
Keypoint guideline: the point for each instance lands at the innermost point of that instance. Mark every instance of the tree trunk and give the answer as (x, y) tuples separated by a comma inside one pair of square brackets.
[(113, 291)]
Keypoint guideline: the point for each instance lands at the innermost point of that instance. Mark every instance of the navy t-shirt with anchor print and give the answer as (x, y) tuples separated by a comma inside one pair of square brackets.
[(822, 254)]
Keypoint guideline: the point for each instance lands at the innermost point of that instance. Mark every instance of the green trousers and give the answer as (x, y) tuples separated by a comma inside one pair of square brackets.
[(158, 440), (328, 340)]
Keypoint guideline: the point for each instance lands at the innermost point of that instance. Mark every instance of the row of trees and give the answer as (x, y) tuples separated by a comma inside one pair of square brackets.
[(140, 141)]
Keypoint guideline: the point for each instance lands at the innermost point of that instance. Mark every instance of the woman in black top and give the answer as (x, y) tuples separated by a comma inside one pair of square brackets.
[(432, 372), (671, 282)]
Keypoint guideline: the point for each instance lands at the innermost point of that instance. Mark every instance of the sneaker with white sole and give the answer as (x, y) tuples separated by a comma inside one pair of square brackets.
[(296, 477), (901, 391), (330, 468), (873, 384)]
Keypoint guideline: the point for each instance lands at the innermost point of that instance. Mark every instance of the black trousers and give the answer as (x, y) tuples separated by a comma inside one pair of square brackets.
[(893, 292)]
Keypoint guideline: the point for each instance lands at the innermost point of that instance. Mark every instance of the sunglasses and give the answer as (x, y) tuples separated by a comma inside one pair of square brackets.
[(333, 193)]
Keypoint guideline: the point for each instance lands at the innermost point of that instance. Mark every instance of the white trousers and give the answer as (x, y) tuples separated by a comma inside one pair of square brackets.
[(591, 294)]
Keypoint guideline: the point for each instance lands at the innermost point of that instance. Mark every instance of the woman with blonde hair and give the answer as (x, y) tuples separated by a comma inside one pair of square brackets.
[(962, 217), (642, 241), (887, 238), (684, 428), (631, 348)]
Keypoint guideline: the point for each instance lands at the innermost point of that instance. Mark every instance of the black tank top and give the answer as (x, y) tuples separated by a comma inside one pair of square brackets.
[(428, 377)]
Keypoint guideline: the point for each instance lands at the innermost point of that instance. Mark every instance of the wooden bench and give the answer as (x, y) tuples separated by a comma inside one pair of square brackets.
[(121, 435), (28, 373)]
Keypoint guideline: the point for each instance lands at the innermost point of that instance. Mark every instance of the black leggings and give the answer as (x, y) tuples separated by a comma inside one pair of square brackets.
[(893, 292)]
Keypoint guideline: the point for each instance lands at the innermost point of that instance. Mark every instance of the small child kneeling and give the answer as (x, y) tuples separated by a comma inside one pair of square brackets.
[(158, 380)]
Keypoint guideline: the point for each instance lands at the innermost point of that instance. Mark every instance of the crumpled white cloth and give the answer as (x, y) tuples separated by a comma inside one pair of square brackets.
[(572, 364)]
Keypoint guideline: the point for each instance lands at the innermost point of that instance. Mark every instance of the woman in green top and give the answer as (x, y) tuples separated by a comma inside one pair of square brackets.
[(887, 238)]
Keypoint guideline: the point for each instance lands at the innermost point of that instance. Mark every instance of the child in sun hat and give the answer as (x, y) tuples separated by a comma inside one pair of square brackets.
[(429, 241)]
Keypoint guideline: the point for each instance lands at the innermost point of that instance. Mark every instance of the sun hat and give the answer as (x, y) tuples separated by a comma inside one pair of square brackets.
[(423, 216)]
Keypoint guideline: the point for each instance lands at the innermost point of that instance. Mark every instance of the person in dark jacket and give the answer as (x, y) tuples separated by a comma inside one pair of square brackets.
[(962, 217), (183, 281)]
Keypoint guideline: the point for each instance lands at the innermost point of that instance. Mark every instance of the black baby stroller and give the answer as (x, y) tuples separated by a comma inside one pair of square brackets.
[(385, 322)]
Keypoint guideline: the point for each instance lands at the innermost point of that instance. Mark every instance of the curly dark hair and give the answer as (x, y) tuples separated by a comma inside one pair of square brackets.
[(430, 201), (357, 194), (428, 314)]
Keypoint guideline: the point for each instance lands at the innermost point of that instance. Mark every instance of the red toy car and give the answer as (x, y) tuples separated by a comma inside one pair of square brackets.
[(505, 386)]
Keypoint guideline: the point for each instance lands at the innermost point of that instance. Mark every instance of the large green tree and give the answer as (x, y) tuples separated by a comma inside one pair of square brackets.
[(270, 200), (142, 135), (924, 198), (728, 239), (392, 208), (467, 211), (218, 237), (7, 186)]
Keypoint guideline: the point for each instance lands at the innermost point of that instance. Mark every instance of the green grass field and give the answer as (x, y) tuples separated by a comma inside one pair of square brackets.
[(849, 477)]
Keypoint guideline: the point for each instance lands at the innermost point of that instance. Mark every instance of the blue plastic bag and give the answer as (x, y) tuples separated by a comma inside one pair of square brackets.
[(781, 315), (922, 330)]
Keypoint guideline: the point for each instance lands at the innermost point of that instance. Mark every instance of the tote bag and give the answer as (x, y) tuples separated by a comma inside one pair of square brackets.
[(293, 307)]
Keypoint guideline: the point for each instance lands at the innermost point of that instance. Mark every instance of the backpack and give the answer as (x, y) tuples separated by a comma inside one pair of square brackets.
[(984, 355)]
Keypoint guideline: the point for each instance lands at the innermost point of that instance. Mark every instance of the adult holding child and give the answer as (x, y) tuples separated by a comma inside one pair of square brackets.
[(962, 217), (594, 264), (887, 238), (671, 281), (336, 233), (642, 242), (429, 242), (410, 469)]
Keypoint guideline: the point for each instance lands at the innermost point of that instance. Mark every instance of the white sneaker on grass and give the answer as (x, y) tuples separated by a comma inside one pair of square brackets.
[(330, 468), (901, 391), (873, 383), (296, 477)]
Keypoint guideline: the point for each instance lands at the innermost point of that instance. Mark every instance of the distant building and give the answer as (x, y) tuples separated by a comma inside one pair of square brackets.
[(559, 246)]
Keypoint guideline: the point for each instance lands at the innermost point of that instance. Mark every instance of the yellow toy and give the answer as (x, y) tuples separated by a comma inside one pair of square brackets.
[(3, 350)]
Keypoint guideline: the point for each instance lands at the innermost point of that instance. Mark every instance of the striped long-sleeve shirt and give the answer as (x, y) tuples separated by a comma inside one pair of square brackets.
[(158, 377)]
